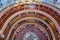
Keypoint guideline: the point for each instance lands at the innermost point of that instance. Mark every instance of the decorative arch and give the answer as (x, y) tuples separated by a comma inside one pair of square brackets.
[(43, 11)]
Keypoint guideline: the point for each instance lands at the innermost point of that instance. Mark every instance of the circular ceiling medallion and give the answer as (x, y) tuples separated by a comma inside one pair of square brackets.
[(31, 33)]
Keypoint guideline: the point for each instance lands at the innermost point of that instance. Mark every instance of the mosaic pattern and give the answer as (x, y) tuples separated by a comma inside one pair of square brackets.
[(30, 22), (30, 34)]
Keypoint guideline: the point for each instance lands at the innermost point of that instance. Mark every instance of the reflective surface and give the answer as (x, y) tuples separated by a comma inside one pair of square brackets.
[(30, 36)]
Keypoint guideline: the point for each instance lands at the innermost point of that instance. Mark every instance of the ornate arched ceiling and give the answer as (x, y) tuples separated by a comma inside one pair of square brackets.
[(30, 21)]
